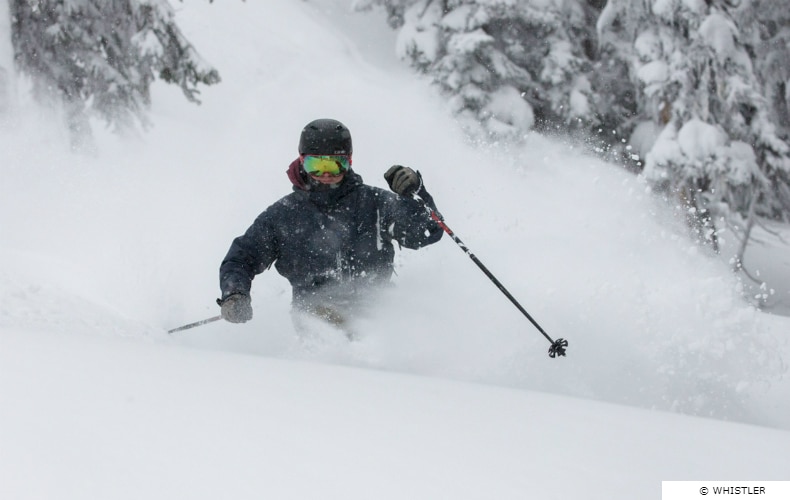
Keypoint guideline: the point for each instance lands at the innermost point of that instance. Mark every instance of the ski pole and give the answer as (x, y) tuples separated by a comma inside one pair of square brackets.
[(557, 346), (196, 323)]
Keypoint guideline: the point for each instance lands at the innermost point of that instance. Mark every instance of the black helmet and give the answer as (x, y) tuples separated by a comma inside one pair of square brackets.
[(325, 137)]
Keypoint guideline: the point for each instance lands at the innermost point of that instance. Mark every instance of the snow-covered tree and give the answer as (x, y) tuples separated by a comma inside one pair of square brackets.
[(100, 58), (700, 88), (6, 59), (717, 149), (765, 25), (507, 65)]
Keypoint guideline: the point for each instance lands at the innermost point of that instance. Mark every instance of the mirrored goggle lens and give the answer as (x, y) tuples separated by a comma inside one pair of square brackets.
[(332, 165)]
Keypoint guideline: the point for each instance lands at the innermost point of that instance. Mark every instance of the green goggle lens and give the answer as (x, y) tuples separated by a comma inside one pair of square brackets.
[(332, 165)]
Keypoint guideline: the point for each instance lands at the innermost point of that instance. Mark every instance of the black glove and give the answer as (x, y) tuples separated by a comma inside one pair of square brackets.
[(403, 180), (236, 308)]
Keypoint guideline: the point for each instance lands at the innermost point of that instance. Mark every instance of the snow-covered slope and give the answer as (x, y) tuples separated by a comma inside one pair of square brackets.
[(449, 392), (85, 417)]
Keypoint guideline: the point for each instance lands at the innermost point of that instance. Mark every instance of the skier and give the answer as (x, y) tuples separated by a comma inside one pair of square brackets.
[(332, 237)]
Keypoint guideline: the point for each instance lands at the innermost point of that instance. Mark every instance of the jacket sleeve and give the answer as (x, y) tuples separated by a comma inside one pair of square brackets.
[(249, 255), (409, 223)]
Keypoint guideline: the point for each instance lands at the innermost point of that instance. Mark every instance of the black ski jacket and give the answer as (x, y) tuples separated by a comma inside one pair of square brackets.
[(331, 245)]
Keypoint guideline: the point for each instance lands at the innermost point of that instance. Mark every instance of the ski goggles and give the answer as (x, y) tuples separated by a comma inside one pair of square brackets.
[(332, 164)]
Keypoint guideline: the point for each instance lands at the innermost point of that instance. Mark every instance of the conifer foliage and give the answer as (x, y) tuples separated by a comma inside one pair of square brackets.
[(7, 80), (718, 150), (101, 57), (693, 93), (508, 66)]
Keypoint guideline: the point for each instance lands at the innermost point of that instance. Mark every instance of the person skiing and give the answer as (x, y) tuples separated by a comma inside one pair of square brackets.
[(332, 237)]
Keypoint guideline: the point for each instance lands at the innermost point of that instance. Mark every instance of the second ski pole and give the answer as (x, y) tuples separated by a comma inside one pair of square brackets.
[(196, 323)]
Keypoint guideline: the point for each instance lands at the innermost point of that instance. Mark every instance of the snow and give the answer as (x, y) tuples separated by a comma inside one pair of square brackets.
[(508, 106), (578, 102), (666, 8), (418, 36), (643, 137), (459, 19), (6, 54), (719, 33), (469, 42), (653, 74), (122, 419), (449, 393), (743, 166), (699, 140), (648, 46)]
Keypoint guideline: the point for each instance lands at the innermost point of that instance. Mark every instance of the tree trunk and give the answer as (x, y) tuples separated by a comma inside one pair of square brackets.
[(698, 218), (7, 73), (747, 234)]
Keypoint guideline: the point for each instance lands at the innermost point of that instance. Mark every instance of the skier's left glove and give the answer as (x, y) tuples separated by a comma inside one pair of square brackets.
[(403, 180), (236, 308)]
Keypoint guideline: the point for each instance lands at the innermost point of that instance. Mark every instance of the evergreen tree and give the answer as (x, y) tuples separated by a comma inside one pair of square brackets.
[(630, 107), (765, 25), (701, 88), (101, 57), (505, 65), (6, 59), (718, 150)]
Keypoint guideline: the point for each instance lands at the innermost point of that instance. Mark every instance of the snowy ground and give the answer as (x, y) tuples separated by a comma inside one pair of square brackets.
[(449, 393)]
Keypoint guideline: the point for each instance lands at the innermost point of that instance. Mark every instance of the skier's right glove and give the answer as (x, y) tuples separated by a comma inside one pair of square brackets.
[(236, 308)]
